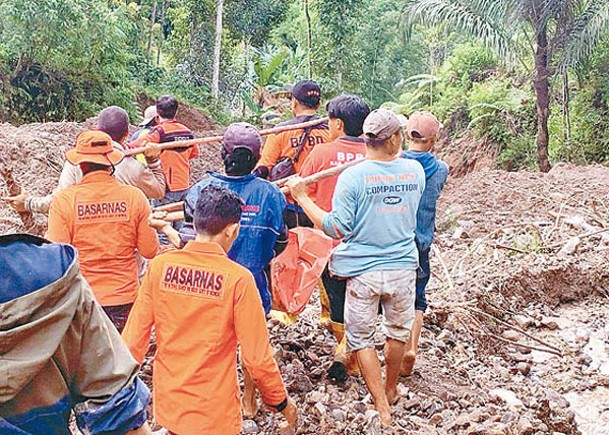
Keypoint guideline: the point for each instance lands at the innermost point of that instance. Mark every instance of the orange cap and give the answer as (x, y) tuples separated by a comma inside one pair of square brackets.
[(423, 125), (94, 146)]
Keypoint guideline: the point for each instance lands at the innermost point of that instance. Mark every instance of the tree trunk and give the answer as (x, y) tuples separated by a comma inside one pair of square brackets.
[(150, 34), (566, 101), (161, 34), (215, 81), (542, 94), (309, 38)]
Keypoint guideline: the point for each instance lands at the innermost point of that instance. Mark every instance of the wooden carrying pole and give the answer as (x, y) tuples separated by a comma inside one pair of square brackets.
[(177, 206), (177, 214), (326, 173), (211, 139)]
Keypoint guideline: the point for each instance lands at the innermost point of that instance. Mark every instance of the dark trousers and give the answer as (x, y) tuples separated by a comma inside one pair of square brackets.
[(336, 289), (118, 314), (423, 275), (295, 219)]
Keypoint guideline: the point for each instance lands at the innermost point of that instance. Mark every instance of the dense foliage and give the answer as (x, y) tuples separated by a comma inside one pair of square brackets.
[(66, 59)]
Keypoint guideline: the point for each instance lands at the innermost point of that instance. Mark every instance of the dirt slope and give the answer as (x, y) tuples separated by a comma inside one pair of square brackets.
[(33, 154)]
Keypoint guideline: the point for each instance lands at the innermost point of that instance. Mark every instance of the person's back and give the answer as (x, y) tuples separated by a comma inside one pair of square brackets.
[(106, 221), (346, 115), (58, 349), (261, 223), (285, 144), (306, 96), (426, 214), (103, 218), (196, 337), (422, 132), (386, 191), (374, 213), (175, 162), (202, 304)]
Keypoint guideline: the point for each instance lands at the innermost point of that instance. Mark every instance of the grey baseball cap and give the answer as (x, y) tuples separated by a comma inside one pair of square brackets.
[(242, 135), (381, 124)]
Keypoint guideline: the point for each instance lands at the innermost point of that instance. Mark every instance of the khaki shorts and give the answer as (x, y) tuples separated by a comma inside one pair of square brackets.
[(395, 290)]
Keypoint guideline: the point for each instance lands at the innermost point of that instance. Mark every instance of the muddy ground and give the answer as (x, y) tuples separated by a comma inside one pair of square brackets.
[(521, 267), (516, 337)]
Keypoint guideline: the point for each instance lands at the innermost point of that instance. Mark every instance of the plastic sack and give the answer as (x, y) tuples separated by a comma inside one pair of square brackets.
[(295, 273)]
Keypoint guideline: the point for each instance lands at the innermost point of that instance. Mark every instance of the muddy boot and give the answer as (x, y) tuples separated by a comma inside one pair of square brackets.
[(338, 372), (325, 320)]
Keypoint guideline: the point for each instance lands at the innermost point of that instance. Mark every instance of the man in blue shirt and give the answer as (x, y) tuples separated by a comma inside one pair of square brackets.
[(374, 213), (422, 131), (263, 232)]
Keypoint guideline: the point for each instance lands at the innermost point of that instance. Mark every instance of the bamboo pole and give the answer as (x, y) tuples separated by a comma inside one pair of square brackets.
[(326, 173), (177, 206), (173, 212), (211, 139)]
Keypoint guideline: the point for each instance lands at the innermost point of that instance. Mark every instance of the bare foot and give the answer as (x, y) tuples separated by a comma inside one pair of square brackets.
[(386, 419), (408, 364), (392, 396), (250, 406)]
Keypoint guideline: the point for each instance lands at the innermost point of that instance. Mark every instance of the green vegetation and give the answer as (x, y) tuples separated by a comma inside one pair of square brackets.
[(530, 77)]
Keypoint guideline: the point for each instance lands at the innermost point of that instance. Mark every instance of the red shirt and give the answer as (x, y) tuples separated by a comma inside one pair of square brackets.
[(328, 155)]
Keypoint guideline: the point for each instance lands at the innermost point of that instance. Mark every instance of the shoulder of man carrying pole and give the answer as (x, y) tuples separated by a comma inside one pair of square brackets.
[(301, 119), (170, 131)]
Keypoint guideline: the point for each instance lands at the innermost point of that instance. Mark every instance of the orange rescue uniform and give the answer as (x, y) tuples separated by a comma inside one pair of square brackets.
[(285, 144), (176, 162), (329, 155), (106, 221), (201, 304)]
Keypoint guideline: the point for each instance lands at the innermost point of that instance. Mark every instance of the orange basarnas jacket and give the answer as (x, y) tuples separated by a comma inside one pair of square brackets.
[(176, 162), (285, 144), (107, 222), (202, 304)]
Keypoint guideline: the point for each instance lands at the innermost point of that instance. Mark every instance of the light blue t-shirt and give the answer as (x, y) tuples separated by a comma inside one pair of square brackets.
[(374, 210)]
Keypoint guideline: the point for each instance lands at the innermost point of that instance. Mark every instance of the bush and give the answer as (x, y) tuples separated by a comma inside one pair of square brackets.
[(469, 63), (498, 109), (64, 59), (589, 129)]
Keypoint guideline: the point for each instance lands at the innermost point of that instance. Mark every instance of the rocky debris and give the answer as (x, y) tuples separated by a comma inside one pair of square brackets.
[(249, 426), (472, 375), (373, 423), (506, 396)]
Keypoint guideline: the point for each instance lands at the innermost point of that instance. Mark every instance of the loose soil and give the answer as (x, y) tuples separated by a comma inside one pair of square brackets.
[(32, 156), (520, 267)]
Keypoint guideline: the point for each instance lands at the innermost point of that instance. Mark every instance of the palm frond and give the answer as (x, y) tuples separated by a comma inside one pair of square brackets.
[(584, 33), (484, 19), (420, 80), (560, 10), (478, 118)]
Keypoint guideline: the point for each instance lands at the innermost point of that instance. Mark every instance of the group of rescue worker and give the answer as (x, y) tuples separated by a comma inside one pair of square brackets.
[(80, 305)]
